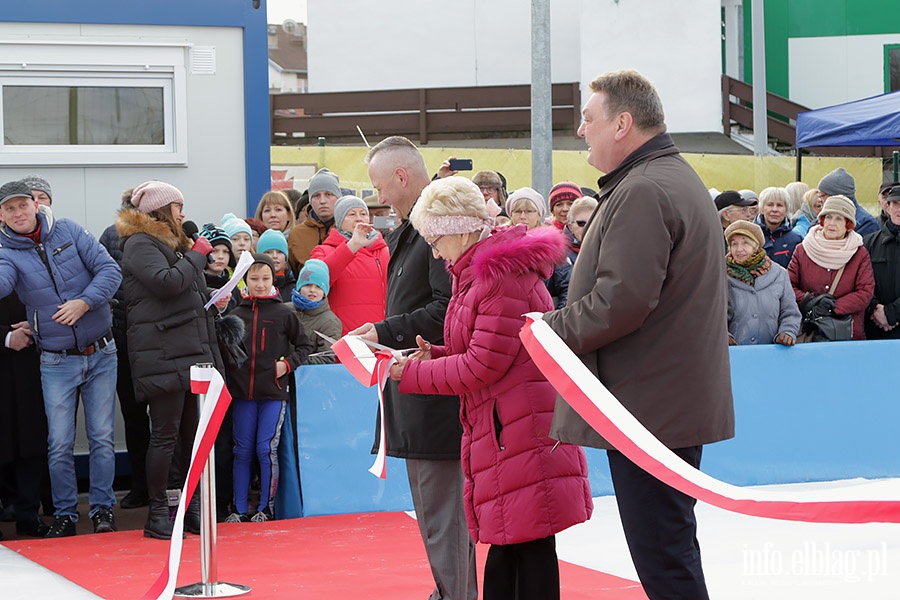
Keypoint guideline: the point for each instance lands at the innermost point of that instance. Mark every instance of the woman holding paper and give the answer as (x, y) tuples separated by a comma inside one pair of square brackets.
[(520, 489), (168, 332)]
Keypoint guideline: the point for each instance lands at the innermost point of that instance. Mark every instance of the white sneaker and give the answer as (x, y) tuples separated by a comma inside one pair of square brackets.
[(259, 517), (237, 518)]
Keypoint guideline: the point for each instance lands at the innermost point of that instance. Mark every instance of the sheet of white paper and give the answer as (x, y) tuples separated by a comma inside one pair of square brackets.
[(243, 264)]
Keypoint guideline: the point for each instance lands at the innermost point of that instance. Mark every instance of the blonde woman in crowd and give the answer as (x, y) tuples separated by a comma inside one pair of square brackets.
[(809, 211), (276, 212)]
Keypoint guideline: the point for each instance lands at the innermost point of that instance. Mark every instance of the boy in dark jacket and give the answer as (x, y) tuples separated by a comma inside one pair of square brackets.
[(277, 345)]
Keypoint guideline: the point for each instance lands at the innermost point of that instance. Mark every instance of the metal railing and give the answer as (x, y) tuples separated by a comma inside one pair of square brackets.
[(737, 101)]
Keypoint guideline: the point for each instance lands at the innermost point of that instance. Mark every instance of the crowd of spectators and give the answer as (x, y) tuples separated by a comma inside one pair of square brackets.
[(792, 254)]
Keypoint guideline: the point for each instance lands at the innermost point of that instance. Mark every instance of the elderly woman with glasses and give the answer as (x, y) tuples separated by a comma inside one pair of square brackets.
[(526, 206), (518, 494), (581, 211)]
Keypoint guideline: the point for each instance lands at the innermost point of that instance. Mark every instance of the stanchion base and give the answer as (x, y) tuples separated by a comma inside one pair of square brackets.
[(219, 589)]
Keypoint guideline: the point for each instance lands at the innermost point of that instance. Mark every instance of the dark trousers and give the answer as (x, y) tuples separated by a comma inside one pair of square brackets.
[(225, 466), (660, 529), (29, 476), (137, 423), (526, 571), (173, 423)]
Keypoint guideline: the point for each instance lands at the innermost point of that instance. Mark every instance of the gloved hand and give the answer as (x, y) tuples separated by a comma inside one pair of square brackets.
[(202, 246), (828, 302), (824, 307), (784, 339)]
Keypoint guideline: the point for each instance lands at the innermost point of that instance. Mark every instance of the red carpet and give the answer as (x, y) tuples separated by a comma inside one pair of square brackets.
[(375, 555)]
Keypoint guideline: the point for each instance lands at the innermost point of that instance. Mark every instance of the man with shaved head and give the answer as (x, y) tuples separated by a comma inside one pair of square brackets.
[(422, 429)]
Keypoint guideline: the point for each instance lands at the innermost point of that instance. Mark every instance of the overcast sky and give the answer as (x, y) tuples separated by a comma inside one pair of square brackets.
[(279, 10)]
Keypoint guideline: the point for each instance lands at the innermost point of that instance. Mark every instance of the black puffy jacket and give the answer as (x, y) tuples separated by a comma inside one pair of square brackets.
[(165, 290), (109, 239), (884, 251), (417, 426)]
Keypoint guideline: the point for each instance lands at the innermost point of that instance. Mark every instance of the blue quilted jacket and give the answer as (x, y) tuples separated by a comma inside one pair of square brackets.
[(68, 264)]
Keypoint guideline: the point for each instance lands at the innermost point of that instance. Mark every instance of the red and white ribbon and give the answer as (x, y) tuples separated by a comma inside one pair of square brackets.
[(369, 368), (203, 381), (602, 411)]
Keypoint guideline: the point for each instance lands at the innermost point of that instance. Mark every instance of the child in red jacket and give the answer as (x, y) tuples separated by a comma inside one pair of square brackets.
[(276, 345)]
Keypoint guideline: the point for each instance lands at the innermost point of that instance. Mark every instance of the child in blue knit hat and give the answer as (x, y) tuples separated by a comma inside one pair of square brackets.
[(311, 301), (239, 232), (273, 243), (219, 270)]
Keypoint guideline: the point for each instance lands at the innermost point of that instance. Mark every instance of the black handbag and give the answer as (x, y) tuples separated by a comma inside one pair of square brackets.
[(827, 329), (824, 328)]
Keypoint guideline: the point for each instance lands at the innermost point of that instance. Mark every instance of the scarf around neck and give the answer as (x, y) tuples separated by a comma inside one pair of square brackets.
[(301, 302), (830, 254), (807, 212), (747, 271)]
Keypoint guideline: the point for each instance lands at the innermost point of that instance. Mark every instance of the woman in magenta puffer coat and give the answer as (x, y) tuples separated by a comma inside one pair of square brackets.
[(519, 490)]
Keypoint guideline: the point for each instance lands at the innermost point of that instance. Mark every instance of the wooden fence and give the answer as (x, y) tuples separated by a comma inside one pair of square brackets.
[(423, 114)]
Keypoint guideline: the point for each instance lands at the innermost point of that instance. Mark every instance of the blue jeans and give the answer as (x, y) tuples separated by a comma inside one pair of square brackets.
[(62, 378)]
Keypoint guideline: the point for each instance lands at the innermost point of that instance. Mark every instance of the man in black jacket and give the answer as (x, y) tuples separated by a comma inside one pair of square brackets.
[(134, 411), (23, 424), (424, 430), (883, 314)]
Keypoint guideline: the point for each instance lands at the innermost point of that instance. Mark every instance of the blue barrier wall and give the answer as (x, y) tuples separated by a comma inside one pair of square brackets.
[(815, 412)]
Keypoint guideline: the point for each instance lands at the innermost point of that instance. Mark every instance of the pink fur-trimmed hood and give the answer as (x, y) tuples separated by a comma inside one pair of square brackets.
[(514, 250)]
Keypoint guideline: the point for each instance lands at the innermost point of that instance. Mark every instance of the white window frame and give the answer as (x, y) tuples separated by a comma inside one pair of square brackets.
[(100, 64)]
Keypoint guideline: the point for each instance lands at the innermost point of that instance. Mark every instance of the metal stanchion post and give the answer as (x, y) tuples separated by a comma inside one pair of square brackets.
[(209, 586)]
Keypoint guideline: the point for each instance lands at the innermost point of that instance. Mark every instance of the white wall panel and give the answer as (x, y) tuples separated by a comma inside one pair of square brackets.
[(360, 45), (825, 71), (213, 180)]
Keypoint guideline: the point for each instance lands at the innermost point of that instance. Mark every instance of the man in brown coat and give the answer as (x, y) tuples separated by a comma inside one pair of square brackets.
[(647, 314)]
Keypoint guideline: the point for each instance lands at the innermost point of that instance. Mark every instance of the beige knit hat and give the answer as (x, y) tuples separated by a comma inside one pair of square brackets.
[(839, 205), (153, 195), (746, 228), (526, 193)]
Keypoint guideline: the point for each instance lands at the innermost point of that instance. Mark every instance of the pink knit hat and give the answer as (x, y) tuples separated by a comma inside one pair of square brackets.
[(153, 195)]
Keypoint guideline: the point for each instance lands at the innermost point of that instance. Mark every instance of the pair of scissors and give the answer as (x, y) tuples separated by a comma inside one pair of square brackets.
[(377, 346)]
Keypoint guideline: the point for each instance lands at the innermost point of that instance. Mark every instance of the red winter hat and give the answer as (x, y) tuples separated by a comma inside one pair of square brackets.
[(564, 190)]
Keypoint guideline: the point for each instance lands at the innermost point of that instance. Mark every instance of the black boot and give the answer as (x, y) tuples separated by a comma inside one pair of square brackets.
[(32, 527), (135, 499), (158, 524), (192, 516)]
